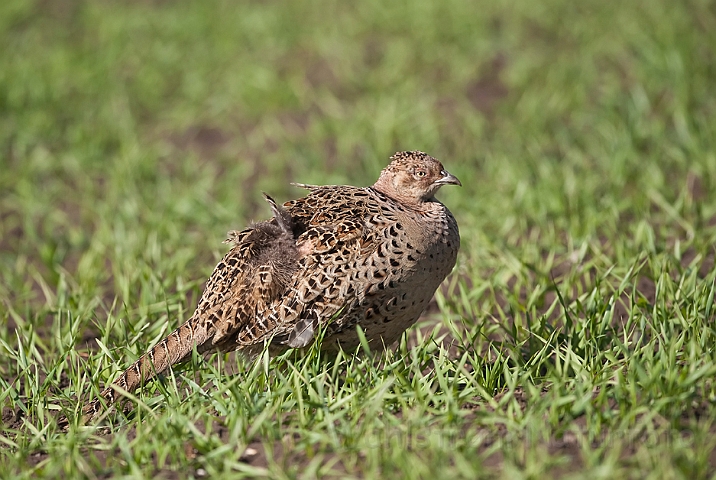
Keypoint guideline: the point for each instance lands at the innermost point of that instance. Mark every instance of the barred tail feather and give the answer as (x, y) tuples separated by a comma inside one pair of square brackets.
[(173, 349)]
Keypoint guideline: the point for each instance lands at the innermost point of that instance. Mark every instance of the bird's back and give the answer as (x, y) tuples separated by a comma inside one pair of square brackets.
[(366, 260)]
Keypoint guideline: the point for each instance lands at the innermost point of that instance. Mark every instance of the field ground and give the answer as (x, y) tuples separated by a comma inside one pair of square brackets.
[(575, 338)]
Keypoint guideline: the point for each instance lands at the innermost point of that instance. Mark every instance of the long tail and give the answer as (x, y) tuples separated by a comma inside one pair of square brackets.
[(175, 348)]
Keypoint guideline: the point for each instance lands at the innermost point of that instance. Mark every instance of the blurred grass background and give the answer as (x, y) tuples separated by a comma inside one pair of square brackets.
[(134, 134)]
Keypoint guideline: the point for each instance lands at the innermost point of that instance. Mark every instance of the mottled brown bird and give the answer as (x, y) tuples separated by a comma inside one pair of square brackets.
[(338, 258)]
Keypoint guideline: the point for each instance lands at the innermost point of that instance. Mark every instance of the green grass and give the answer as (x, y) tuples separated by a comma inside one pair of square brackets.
[(575, 338)]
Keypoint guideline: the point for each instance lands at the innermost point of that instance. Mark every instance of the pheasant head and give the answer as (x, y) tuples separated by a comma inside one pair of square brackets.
[(413, 177)]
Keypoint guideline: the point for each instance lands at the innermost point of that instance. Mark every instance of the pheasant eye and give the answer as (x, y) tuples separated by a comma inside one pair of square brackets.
[(420, 173)]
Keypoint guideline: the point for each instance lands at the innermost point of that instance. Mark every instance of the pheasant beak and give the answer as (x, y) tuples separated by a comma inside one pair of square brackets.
[(447, 179)]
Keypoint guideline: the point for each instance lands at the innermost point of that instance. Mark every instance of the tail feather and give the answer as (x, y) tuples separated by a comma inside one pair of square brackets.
[(175, 348), (256, 249), (283, 218)]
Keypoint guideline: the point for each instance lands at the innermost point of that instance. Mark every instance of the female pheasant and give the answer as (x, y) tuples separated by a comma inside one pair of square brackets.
[(341, 257)]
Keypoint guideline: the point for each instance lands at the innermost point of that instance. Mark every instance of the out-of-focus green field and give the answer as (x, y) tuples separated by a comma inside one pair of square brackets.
[(576, 337)]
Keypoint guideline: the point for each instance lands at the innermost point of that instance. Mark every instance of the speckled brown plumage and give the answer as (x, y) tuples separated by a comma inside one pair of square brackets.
[(339, 257)]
